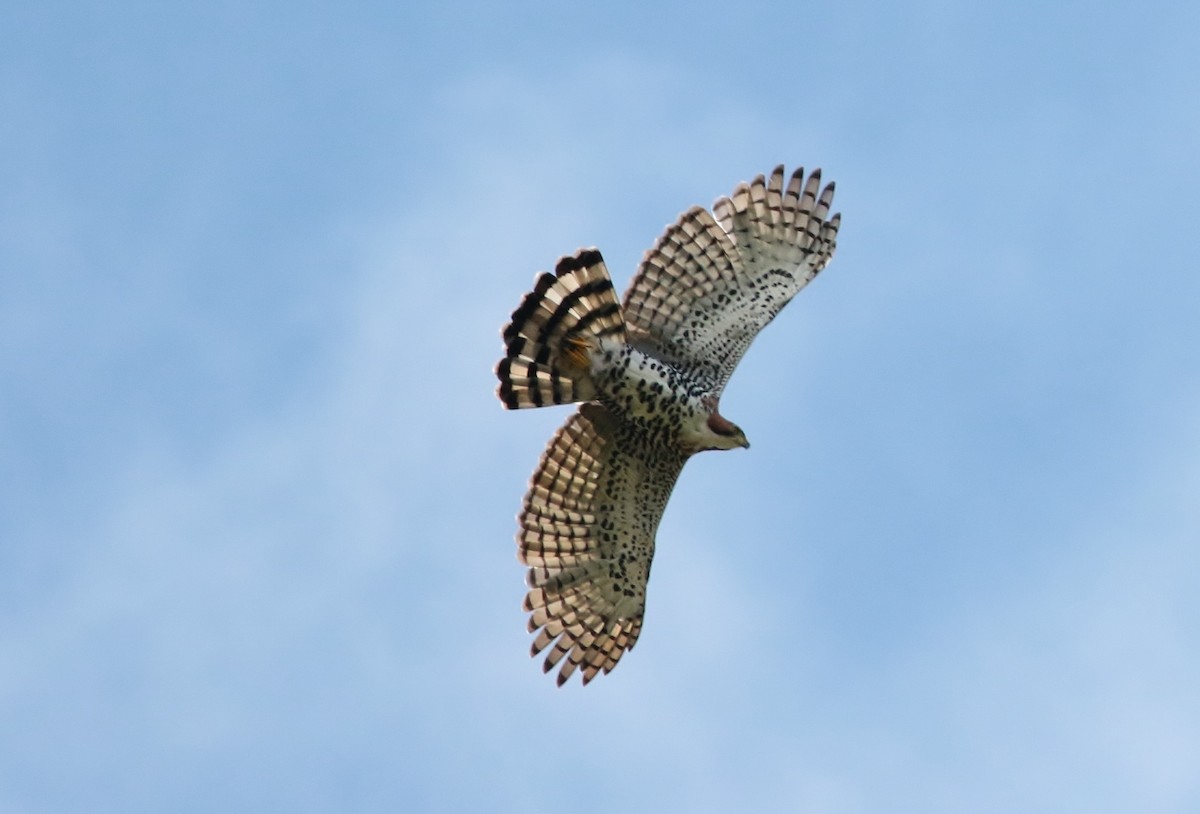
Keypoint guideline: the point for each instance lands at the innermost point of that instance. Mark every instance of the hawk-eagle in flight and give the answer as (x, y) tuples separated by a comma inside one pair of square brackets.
[(649, 372)]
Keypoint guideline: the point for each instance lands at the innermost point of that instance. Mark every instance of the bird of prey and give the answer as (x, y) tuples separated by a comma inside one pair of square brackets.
[(649, 373)]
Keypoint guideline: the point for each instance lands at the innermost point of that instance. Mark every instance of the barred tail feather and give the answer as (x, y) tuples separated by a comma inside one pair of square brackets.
[(554, 329)]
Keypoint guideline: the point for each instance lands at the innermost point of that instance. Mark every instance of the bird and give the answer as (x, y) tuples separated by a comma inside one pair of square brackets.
[(648, 373)]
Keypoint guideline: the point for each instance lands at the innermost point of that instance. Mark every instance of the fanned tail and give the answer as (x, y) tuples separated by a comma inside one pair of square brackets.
[(554, 331)]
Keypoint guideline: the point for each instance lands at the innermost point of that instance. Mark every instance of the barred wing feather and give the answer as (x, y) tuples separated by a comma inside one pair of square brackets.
[(587, 534), (714, 280)]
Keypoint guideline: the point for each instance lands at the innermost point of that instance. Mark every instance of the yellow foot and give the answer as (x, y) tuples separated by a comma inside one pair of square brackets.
[(576, 352)]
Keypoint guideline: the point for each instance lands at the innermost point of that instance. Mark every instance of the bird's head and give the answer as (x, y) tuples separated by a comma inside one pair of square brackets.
[(726, 434)]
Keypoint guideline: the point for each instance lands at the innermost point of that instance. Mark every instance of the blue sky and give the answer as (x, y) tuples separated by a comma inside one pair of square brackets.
[(257, 495)]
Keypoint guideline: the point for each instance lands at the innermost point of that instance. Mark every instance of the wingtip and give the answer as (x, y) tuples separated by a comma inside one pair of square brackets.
[(583, 258)]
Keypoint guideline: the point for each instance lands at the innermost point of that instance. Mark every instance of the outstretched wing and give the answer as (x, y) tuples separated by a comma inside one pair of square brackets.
[(714, 280), (587, 534)]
